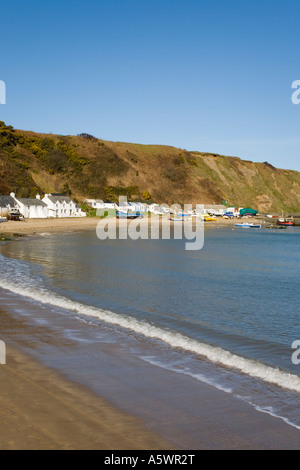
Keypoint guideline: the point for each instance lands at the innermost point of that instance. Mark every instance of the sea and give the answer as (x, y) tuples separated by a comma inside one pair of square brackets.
[(147, 323)]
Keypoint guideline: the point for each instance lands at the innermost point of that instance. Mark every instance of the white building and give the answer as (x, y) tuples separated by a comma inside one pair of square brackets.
[(62, 206), (94, 203), (215, 209), (31, 208), (108, 205), (132, 206)]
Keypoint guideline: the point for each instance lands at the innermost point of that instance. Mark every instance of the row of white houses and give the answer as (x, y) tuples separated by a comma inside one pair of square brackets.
[(57, 205), (125, 205), (213, 209), (51, 206)]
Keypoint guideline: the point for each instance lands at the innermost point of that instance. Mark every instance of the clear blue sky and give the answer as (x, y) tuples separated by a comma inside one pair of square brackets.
[(201, 75)]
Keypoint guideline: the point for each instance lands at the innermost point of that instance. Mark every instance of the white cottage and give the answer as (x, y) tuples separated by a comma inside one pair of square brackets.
[(31, 208), (214, 209), (62, 206), (94, 203)]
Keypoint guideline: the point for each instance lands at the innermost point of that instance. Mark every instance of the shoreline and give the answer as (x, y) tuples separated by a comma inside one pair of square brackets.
[(65, 225), (42, 410)]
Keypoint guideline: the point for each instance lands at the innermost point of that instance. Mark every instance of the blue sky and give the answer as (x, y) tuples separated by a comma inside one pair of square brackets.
[(201, 75)]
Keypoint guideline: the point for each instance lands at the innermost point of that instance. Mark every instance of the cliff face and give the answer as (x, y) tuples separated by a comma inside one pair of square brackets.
[(92, 168)]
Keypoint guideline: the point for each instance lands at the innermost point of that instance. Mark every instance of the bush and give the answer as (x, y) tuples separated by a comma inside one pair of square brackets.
[(146, 195), (87, 136)]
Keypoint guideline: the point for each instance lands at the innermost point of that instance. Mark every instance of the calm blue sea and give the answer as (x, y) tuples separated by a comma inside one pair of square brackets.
[(225, 315)]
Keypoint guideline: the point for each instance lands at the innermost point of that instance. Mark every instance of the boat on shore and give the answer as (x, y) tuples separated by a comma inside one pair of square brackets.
[(286, 221), (128, 215), (245, 225)]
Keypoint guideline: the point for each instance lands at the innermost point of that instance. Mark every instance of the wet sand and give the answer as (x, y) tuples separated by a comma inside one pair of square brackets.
[(40, 409)]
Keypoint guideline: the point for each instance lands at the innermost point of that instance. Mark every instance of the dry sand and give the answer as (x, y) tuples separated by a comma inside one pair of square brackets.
[(37, 226)]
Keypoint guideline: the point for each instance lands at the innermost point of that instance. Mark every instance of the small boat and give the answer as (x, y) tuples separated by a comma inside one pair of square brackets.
[(183, 214), (128, 215), (245, 225), (285, 221), (3, 219)]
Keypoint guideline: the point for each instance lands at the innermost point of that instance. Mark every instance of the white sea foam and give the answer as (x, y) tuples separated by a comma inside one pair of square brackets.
[(205, 378), (201, 377), (176, 340), (269, 410)]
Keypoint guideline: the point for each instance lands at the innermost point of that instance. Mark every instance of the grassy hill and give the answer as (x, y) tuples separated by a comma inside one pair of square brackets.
[(87, 167)]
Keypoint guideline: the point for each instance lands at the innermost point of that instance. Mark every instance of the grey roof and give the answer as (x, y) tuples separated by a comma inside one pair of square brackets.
[(7, 201), (60, 199), (31, 202)]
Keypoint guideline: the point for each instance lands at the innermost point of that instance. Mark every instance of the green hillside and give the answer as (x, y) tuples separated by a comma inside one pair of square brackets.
[(86, 167)]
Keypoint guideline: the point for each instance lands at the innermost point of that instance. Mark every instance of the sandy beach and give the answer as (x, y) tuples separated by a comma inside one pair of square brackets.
[(40, 409), (39, 226), (48, 226)]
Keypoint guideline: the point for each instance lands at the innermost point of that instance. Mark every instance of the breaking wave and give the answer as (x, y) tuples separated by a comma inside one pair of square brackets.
[(174, 339)]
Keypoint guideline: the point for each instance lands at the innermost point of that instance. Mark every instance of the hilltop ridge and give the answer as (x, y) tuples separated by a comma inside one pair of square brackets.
[(88, 167)]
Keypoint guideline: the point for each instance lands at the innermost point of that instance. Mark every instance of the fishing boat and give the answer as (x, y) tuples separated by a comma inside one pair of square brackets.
[(128, 215), (245, 225), (285, 221)]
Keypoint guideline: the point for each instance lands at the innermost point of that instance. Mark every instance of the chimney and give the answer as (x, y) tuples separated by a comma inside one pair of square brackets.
[(38, 196), (13, 195)]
